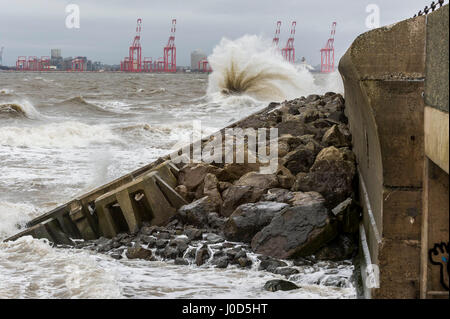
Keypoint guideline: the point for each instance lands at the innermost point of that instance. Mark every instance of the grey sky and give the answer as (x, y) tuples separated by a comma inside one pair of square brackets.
[(33, 27)]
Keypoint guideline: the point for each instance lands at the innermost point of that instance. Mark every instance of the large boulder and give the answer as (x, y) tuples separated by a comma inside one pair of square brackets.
[(196, 213), (334, 137), (331, 175), (209, 187), (192, 175), (248, 219), (139, 252), (296, 232), (238, 195), (233, 171), (299, 160), (256, 179), (285, 178), (279, 284)]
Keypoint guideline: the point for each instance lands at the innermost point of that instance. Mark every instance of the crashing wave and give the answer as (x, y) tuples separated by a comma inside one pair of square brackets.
[(22, 109), (251, 66)]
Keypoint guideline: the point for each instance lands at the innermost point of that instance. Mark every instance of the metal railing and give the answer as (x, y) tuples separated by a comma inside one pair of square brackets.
[(428, 9)]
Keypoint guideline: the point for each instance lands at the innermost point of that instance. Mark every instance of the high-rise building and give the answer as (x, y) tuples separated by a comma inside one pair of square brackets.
[(196, 56), (56, 53)]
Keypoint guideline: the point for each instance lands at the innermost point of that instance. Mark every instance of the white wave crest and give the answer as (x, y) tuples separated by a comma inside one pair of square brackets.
[(24, 108), (61, 135)]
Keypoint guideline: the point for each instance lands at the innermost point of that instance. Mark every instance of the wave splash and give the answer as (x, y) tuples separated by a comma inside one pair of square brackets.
[(252, 66), (21, 109)]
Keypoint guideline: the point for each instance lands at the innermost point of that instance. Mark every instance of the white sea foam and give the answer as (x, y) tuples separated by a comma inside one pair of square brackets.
[(31, 268), (65, 134), (251, 66), (14, 216)]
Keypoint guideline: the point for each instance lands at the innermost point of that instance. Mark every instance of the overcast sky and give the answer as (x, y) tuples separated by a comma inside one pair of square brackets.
[(107, 27)]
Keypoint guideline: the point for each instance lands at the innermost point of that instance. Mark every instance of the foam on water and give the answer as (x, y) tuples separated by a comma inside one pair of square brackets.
[(32, 269), (13, 216), (61, 135)]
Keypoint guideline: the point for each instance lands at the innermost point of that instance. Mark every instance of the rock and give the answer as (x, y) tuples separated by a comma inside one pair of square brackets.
[(237, 195), (348, 214), (233, 171), (300, 198), (149, 230), (312, 98), (286, 271), (256, 179), (181, 261), (334, 137), (278, 284), (292, 127), (170, 252), (116, 256), (277, 195), (342, 248), (215, 221), (148, 240), (210, 189), (196, 213), (250, 218), (285, 177), (163, 235), (283, 148), (224, 185), (296, 232), (299, 160), (270, 264), (221, 262), (292, 141), (161, 243), (202, 255), (183, 191), (213, 238), (331, 175), (193, 233), (192, 175), (181, 244), (309, 116), (244, 262), (138, 252)]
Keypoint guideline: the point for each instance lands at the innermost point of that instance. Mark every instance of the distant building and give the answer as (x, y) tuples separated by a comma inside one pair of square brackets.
[(55, 53), (196, 56)]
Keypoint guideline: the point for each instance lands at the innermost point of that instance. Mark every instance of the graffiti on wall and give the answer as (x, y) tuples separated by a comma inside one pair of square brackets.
[(438, 256)]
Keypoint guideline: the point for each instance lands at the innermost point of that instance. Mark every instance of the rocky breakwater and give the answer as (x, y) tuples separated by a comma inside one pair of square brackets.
[(304, 211)]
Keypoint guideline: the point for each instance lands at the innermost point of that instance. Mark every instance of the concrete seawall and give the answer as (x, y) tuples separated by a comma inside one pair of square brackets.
[(384, 73)]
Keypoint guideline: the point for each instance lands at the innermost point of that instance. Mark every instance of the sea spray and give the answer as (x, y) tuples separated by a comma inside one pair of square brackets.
[(251, 66)]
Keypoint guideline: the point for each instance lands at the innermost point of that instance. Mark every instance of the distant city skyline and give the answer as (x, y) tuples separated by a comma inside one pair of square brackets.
[(107, 28)]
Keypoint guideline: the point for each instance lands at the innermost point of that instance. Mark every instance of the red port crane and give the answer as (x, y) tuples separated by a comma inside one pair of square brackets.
[(288, 52), (203, 66), (135, 56), (44, 63), (21, 64), (327, 53), (33, 63), (276, 37), (147, 65), (78, 65), (170, 51)]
